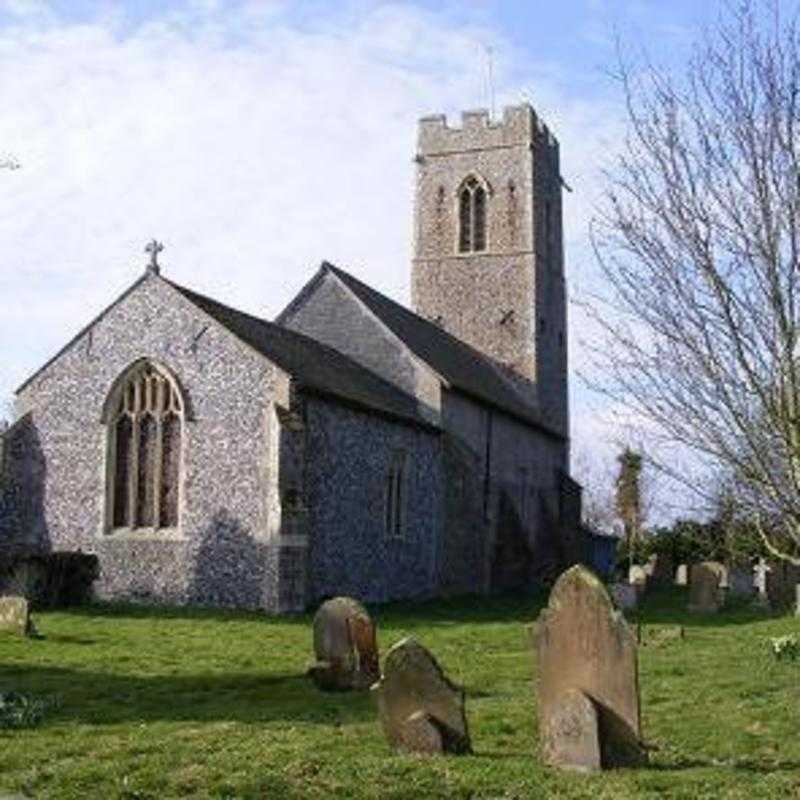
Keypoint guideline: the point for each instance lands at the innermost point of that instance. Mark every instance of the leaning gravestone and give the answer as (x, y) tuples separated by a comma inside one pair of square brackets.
[(15, 616), (345, 646), (706, 582), (588, 678), (420, 709)]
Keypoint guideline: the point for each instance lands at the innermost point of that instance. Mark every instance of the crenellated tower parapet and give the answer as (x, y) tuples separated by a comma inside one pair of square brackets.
[(488, 244)]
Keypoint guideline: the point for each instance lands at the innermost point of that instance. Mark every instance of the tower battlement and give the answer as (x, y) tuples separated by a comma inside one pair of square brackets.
[(519, 126), (488, 244)]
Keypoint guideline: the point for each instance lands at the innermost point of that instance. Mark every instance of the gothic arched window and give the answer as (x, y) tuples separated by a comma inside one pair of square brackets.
[(471, 216), (145, 428)]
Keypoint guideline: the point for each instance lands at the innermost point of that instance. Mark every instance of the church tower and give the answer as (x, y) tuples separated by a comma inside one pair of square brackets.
[(488, 245)]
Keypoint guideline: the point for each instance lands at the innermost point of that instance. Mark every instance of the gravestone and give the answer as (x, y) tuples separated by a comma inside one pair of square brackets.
[(587, 652), (624, 596), (682, 575), (421, 711), (574, 725), (638, 577), (740, 581), (781, 581), (15, 616), (661, 569), (706, 582), (345, 646)]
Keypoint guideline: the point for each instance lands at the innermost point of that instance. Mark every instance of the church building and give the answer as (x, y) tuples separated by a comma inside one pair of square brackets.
[(351, 446)]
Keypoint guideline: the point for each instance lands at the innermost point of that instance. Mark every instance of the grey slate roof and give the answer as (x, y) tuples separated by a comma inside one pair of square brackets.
[(463, 367), (315, 366)]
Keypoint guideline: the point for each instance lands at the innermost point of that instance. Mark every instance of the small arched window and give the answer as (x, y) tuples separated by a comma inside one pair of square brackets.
[(471, 216), (395, 504), (145, 430)]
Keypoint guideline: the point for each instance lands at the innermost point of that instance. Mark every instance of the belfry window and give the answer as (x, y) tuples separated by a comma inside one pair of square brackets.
[(471, 217), (145, 428)]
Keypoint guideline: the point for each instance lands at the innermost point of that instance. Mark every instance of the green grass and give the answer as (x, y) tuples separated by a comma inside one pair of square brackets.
[(162, 703)]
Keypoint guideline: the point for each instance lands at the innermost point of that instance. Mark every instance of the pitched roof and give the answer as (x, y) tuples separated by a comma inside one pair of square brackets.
[(316, 366), (80, 333), (463, 367)]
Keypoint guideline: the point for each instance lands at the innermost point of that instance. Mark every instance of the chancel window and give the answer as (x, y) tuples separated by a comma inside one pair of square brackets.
[(471, 217), (395, 514), (145, 432)]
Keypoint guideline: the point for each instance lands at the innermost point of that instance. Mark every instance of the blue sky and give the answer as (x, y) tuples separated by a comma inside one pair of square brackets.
[(258, 138)]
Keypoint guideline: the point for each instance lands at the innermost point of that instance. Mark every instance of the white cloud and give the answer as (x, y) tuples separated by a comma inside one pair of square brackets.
[(254, 147)]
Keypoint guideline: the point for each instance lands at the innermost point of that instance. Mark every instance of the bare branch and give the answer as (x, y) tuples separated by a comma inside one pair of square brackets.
[(698, 237)]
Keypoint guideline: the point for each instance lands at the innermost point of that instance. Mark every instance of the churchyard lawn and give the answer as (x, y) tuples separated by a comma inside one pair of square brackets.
[(162, 703)]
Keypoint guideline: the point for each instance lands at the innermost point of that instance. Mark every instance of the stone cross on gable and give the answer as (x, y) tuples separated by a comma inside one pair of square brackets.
[(154, 248)]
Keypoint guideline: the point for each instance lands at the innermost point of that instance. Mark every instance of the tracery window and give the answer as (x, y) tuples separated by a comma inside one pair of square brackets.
[(145, 427), (471, 216)]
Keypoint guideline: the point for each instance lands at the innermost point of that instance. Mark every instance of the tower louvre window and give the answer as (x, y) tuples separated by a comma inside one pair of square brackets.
[(145, 431), (471, 217), (465, 221)]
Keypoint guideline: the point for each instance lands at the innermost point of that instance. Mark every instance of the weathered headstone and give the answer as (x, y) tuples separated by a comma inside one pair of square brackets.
[(574, 726), (420, 709), (15, 616), (637, 573), (638, 577), (797, 600), (781, 580), (586, 651), (345, 646), (706, 581), (624, 595), (740, 581), (661, 569), (682, 575)]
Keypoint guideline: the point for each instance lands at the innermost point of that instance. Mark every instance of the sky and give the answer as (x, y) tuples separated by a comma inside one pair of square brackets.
[(256, 139)]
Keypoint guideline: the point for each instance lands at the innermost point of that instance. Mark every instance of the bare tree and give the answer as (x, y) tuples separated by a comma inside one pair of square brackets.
[(698, 237)]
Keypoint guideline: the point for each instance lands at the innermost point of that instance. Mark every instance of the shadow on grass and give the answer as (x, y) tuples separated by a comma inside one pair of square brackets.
[(61, 638), (146, 611), (100, 698), (660, 607), (738, 765), (465, 609), (667, 606)]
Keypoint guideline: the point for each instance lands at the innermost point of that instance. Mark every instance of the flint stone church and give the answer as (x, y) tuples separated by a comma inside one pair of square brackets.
[(352, 446)]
